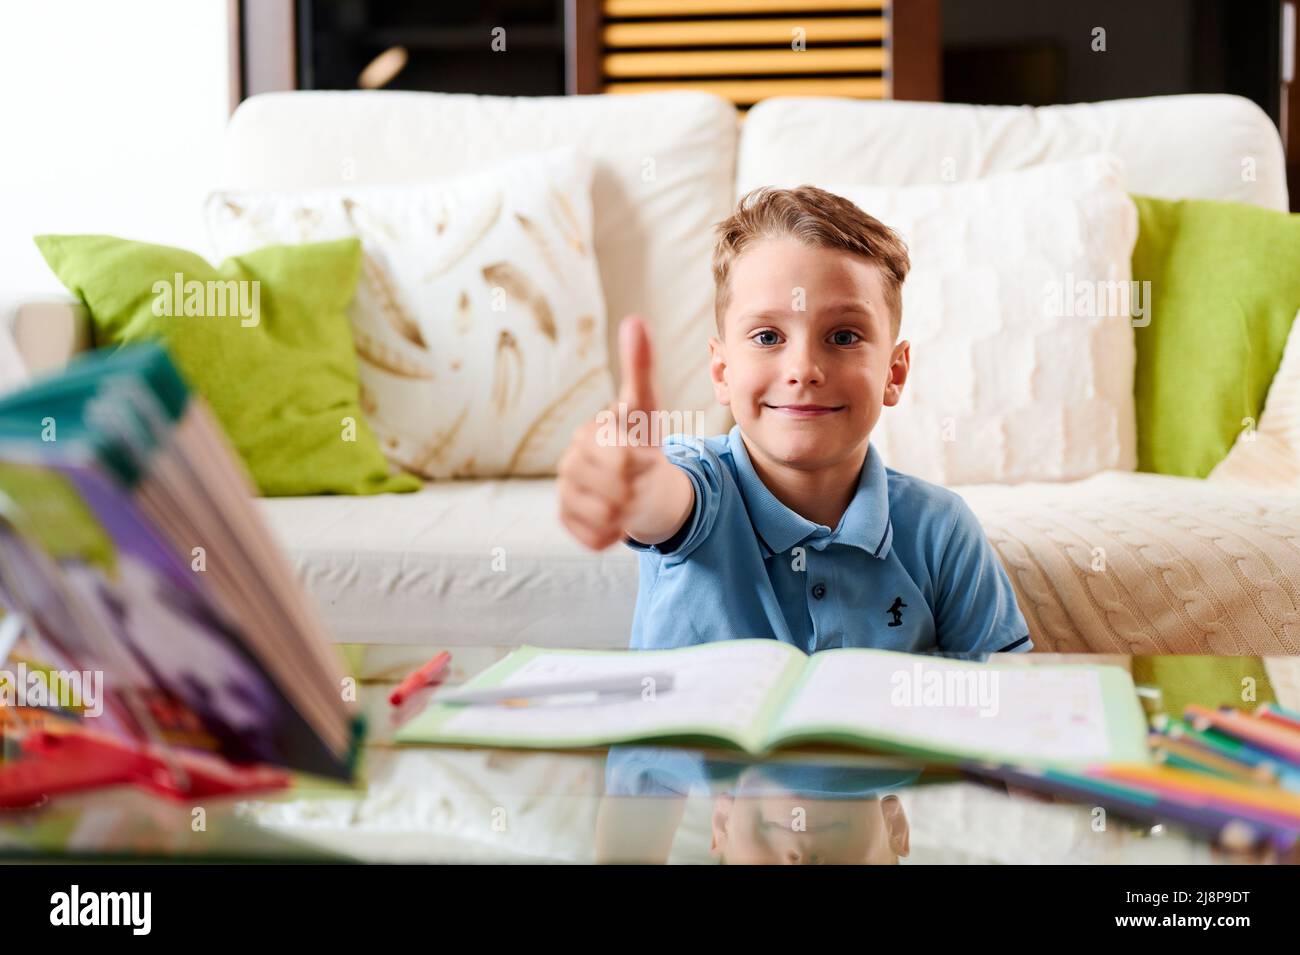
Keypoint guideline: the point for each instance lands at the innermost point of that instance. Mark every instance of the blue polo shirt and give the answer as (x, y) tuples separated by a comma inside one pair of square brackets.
[(664, 771), (908, 568)]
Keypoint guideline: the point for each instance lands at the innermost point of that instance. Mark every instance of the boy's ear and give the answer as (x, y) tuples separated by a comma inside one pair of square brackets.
[(722, 807), (900, 363), (718, 370), (900, 833)]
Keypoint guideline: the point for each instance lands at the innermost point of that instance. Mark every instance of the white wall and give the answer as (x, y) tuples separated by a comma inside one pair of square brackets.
[(111, 114)]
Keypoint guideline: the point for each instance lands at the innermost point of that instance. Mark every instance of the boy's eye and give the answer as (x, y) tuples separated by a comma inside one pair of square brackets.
[(845, 337), (766, 337)]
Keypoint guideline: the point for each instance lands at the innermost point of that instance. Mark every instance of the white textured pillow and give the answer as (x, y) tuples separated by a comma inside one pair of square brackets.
[(479, 319), (13, 371), (1268, 456), (1014, 377)]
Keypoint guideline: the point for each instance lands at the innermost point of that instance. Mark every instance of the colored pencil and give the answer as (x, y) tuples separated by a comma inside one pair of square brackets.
[(1226, 746), (1279, 715), (1183, 753), (1205, 821), (1258, 733), (1273, 802)]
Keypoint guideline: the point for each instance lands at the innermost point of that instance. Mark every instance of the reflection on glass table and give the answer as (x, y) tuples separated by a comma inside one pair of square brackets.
[(642, 803), (630, 804)]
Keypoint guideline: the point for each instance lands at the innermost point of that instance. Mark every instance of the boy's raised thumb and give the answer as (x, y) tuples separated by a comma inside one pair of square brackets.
[(637, 363)]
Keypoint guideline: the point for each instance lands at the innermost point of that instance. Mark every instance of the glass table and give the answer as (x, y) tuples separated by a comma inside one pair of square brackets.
[(641, 803)]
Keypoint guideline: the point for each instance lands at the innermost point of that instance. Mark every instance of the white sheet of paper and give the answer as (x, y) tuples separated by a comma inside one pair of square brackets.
[(1024, 712), (717, 684)]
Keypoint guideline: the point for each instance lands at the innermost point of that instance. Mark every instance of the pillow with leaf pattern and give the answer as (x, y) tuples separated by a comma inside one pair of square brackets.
[(479, 320)]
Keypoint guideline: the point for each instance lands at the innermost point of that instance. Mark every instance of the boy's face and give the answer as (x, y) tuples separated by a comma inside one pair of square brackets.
[(807, 356), (796, 830)]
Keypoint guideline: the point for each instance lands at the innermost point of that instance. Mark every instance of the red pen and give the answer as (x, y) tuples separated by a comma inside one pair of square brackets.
[(430, 674)]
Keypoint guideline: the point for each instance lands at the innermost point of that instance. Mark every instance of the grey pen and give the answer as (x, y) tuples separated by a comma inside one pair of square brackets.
[(624, 684)]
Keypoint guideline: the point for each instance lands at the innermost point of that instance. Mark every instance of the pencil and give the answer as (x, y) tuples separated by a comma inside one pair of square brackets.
[(1258, 733), (1186, 753), (1276, 802), (1228, 828), (1279, 715)]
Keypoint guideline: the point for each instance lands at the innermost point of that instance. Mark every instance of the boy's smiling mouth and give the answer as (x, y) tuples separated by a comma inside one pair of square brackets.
[(804, 410)]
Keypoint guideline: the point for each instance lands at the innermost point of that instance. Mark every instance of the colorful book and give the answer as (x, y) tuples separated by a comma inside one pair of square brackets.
[(764, 695), (130, 547)]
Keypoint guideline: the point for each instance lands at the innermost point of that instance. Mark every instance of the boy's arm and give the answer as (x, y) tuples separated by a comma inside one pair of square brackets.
[(637, 829), (610, 488), (977, 610), (662, 505), (645, 796)]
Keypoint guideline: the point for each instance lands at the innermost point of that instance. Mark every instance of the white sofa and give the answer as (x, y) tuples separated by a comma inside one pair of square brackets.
[(1187, 566)]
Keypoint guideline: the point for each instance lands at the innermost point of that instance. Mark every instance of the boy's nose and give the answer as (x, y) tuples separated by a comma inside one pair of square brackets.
[(804, 368), (797, 856)]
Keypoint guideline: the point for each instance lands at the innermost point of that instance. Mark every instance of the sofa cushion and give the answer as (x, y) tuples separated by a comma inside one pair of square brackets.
[(1021, 341), (479, 319), (1132, 562), (1174, 147), (263, 337), (1225, 289), (460, 563), (1121, 562), (1269, 455), (663, 174)]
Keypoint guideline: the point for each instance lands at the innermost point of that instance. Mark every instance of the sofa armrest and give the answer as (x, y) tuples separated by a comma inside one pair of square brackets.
[(49, 333)]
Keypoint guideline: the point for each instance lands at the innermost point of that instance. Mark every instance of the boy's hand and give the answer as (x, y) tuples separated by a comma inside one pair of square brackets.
[(609, 489)]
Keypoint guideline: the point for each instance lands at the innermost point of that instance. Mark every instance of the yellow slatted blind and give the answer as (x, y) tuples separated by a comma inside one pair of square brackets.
[(677, 8), (687, 63), (747, 50), (778, 30), (748, 92)]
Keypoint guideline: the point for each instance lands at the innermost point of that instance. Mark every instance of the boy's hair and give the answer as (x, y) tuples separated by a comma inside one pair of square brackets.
[(816, 218)]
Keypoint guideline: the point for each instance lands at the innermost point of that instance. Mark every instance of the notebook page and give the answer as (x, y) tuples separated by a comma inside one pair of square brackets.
[(1022, 714), (727, 689)]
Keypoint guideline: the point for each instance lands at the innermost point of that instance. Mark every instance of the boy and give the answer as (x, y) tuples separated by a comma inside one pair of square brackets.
[(790, 526), (762, 813)]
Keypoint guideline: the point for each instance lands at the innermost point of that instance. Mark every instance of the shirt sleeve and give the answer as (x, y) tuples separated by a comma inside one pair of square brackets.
[(704, 468), (651, 771), (977, 610)]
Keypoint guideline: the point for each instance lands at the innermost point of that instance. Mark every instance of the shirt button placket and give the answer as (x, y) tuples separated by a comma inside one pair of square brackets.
[(818, 591)]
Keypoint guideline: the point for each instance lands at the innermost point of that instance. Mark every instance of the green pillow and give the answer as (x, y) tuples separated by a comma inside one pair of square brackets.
[(264, 338), (1225, 288)]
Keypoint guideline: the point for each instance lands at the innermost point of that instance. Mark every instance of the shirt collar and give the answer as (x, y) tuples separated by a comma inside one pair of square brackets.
[(865, 524)]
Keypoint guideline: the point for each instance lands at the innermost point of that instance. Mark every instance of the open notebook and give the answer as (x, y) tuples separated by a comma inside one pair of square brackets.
[(762, 695), (130, 545)]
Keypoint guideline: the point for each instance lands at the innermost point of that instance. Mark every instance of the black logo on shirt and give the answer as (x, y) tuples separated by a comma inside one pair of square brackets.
[(896, 609)]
